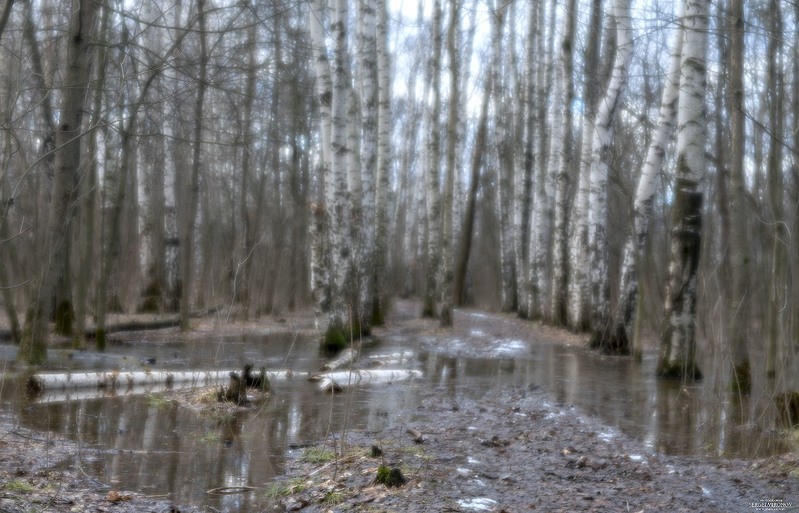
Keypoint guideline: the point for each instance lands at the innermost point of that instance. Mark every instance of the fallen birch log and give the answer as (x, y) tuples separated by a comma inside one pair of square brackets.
[(340, 380), (120, 380), (385, 359), (346, 357)]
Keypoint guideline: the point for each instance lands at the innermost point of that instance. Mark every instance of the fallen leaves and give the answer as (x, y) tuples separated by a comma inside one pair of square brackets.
[(116, 497)]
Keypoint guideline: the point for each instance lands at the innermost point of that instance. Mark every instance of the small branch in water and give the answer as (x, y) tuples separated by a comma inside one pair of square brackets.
[(230, 490), (416, 435)]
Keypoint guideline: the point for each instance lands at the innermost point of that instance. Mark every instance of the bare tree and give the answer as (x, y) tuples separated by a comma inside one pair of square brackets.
[(601, 323), (433, 196), (69, 135), (626, 318), (677, 357), (447, 236), (739, 258)]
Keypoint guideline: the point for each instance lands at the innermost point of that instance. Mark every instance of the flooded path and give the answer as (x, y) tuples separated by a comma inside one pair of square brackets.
[(142, 443)]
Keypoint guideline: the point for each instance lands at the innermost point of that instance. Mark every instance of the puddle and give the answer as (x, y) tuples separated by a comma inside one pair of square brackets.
[(155, 449), (477, 504)]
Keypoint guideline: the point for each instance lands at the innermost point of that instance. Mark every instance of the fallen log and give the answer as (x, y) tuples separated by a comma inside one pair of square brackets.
[(340, 380), (155, 324), (346, 357), (386, 359), (128, 380)]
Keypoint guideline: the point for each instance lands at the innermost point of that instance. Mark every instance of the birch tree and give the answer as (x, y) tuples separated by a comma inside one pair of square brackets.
[(505, 170), (433, 196), (320, 261), (677, 358), (447, 237), (551, 166), (563, 172), (367, 53), (384, 157), (598, 193), (626, 318), (578, 248)]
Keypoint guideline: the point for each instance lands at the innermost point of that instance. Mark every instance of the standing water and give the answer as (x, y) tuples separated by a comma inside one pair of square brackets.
[(141, 442)]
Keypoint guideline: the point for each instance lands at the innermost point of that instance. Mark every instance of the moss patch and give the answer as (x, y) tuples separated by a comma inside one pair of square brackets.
[(335, 340), (390, 476)]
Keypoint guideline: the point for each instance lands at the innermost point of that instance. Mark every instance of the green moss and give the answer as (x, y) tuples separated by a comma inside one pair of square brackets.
[(391, 477), (18, 486), (742, 378), (335, 340)]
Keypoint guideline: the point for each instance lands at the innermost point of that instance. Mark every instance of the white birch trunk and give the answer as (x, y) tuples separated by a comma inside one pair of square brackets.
[(367, 53), (563, 173), (337, 195), (383, 164), (598, 192), (524, 186), (539, 225), (645, 194), (677, 357), (320, 263), (433, 196), (577, 311), (341, 380), (503, 140), (447, 238)]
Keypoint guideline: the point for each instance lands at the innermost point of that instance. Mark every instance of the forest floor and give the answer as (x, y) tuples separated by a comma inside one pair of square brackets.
[(513, 450)]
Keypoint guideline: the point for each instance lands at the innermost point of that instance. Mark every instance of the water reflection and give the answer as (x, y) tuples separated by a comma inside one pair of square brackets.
[(155, 448)]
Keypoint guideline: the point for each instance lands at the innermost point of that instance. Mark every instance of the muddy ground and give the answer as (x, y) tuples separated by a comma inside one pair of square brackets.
[(513, 450)]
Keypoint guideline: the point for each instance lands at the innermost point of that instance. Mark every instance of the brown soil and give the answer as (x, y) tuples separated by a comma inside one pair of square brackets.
[(513, 450)]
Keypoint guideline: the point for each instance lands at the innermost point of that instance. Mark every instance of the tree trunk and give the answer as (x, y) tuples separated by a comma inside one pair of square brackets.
[(33, 348), (775, 182), (578, 250), (601, 322), (505, 168), (524, 183), (626, 317), (88, 190), (319, 235), (564, 174), (432, 183), (467, 229), (338, 211), (186, 248), (384, 157), (447, 237), (547, 170), (677, 359), (739, 245)]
